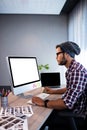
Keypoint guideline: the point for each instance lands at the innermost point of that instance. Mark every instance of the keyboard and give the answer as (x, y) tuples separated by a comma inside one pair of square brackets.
[(41, 95)]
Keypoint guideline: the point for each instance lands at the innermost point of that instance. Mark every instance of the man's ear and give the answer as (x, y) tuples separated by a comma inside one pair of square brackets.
[(67, 55)]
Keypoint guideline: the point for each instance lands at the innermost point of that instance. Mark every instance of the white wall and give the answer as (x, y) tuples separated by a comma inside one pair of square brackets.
[(31, 35)]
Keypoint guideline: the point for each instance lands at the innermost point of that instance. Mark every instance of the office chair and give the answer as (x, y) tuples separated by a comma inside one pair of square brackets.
[(72, 124), (72, 118)]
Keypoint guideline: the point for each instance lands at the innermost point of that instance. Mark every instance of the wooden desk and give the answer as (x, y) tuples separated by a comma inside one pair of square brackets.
[(40, 113)]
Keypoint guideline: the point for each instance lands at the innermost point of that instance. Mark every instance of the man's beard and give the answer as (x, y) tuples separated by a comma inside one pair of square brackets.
[(63, 62)]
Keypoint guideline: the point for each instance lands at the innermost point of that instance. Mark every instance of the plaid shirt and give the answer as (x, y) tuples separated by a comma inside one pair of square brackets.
[(75, 96)]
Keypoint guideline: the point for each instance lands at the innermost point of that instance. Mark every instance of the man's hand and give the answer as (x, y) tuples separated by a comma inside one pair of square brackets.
[(48, 90), (38, 101)]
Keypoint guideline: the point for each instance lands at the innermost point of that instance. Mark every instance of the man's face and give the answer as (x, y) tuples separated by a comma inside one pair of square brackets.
[(60, 56)]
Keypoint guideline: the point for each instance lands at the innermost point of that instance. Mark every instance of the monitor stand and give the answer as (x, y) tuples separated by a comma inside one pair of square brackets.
[(25, 96)]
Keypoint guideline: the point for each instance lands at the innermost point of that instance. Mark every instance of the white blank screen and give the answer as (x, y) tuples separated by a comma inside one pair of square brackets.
[(24, 70)]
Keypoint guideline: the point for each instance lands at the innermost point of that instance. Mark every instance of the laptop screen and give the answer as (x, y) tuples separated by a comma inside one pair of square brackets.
[(50, 79)]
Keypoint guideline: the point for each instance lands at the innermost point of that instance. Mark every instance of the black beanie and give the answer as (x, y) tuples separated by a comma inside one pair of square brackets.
[(70, 47)]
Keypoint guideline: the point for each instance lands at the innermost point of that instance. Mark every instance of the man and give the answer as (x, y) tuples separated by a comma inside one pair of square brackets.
[(74, 96)]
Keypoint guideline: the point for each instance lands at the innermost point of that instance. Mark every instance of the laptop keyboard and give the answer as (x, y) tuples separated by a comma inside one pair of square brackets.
[(41, 95)]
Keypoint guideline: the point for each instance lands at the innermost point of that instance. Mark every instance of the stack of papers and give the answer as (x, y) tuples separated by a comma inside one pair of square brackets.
[(13, 123), (15, 118)]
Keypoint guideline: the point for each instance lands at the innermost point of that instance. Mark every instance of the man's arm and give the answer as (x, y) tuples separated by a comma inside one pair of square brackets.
[(54, 104), (54, 91)]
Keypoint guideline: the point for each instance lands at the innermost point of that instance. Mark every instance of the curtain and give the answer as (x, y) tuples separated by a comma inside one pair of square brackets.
[(77, 29)]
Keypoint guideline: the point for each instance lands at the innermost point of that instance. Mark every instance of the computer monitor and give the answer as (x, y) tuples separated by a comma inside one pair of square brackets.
[(51, 79), (24, 74)]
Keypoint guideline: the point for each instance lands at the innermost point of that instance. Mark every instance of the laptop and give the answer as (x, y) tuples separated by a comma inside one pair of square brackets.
[(51, 79)]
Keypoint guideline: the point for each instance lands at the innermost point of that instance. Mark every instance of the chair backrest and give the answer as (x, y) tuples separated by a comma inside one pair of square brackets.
[(72, 118)]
